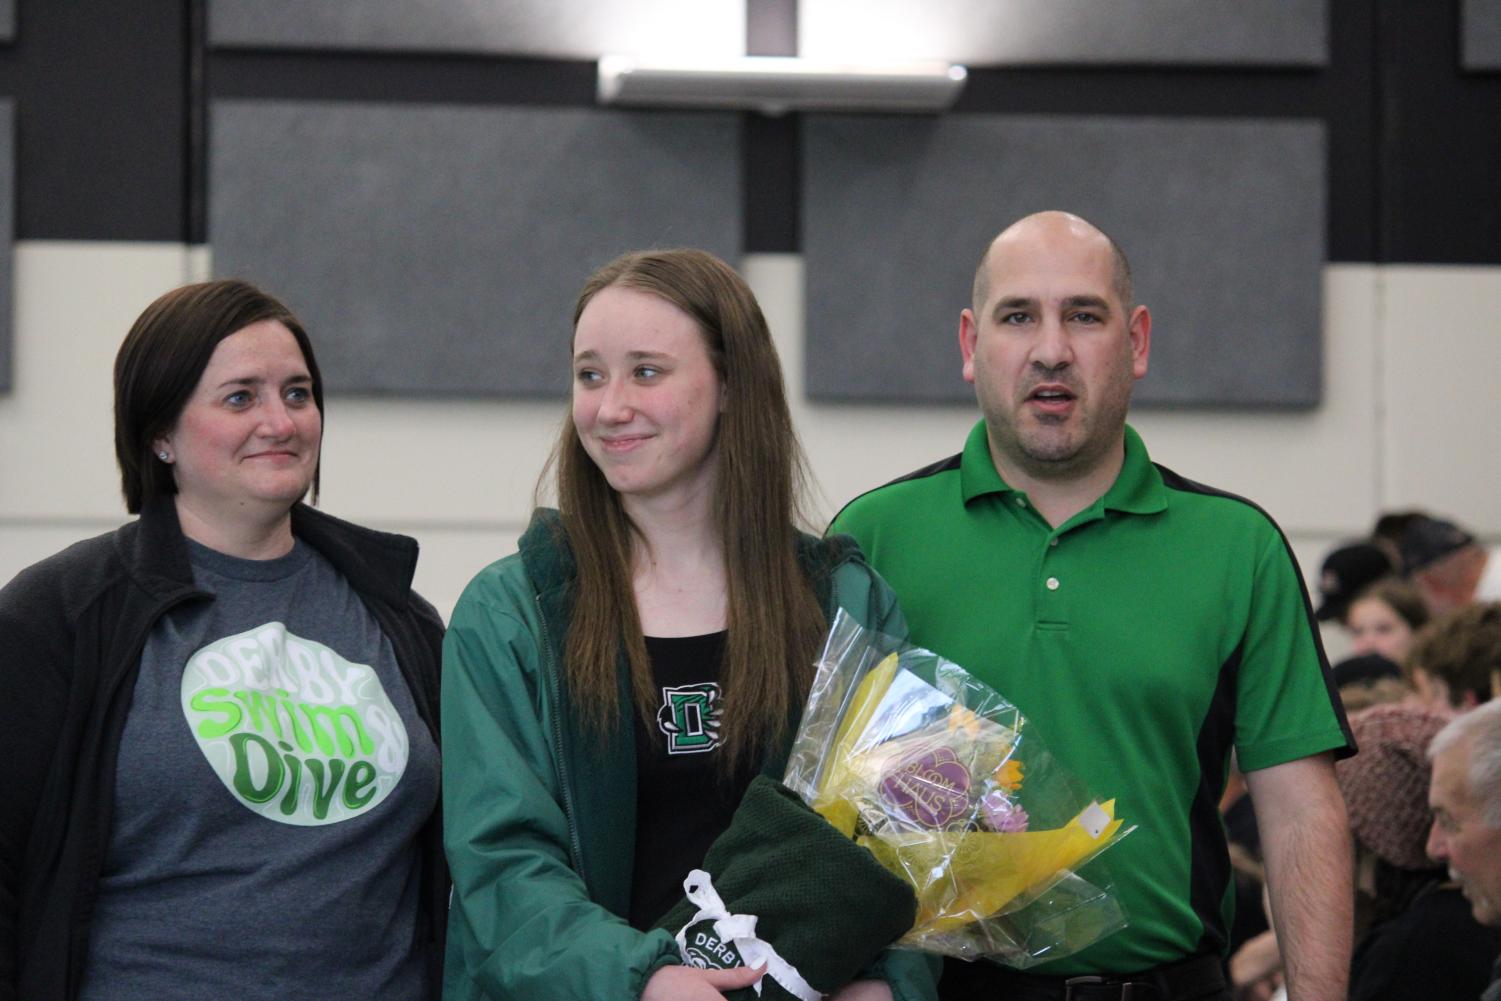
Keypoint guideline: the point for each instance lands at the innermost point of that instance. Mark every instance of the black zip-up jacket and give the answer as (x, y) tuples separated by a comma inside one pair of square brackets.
[(72, 628)]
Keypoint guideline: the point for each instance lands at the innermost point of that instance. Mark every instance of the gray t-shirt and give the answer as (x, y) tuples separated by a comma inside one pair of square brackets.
[(272, 780)]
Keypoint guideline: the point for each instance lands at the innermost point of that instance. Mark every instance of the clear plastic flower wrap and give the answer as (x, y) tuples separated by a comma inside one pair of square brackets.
[(942, 780)]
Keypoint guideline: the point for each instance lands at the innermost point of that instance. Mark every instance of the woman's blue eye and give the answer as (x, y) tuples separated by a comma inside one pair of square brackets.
[(238, 399), (299, 394), (648, 371), (587, 375)]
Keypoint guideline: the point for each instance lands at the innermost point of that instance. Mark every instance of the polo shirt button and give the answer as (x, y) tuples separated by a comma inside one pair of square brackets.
[(1052, 583), (1053, 542), (1021, 501)]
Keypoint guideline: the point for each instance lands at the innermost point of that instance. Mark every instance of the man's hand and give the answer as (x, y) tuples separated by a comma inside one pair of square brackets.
[(688, 983), (1305, 837)]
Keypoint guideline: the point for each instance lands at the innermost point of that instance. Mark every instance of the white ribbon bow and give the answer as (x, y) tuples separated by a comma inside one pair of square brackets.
[(740, 931)]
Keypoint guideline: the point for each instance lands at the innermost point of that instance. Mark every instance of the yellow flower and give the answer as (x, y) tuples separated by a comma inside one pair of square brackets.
[(961, 718), (1009, 775)]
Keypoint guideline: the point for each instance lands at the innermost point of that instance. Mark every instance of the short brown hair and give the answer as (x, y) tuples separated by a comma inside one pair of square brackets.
[(1461, 650), (161, 361)]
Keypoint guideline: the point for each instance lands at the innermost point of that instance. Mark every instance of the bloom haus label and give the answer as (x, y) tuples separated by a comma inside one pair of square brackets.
[(930, 788)]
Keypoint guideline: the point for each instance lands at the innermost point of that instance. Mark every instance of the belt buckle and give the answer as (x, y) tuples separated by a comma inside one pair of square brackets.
[(1072, 982), (1124, 989)]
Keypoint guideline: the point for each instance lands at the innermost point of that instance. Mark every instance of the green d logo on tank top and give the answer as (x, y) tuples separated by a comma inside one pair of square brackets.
[(296, 733), (689, 716)]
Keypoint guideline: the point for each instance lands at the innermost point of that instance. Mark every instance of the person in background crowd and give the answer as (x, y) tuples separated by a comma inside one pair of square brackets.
[(612, 689), (1349, 569), (1255, 961), (1453, 660), (1383, 617), (1465, 796), (1369, 679), (1448, 566), (221, 762), (1415, 935), (1144, 623), (1388, 531)]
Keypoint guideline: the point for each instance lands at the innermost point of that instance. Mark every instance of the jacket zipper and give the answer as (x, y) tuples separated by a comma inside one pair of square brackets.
[(574, 845)]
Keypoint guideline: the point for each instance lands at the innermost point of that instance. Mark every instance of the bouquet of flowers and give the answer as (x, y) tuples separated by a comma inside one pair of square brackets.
[(944, 783), (918, 810)]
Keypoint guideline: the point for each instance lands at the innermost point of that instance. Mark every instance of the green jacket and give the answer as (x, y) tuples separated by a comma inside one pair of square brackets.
[(539, 818)]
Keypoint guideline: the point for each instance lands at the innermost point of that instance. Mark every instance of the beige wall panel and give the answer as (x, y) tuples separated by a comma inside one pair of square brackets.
[(452, 555), (1442, 386), (74, 303), (434, 461)]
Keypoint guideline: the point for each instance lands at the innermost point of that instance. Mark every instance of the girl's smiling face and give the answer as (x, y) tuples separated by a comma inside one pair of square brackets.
[(646, 395)]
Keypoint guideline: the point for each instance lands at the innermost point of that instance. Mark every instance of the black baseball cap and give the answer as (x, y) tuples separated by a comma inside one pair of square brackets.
[(1365, 668), (1347, 571), (1427, 540)]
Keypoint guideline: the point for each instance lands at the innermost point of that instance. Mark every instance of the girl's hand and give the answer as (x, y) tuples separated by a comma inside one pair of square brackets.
[(688, 983)]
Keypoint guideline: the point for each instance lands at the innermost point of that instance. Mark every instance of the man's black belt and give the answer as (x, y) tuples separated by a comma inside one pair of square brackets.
[(1195, 977)]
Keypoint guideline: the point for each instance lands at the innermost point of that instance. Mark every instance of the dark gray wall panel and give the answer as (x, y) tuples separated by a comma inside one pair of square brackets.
[(1223, 222), (1481, 38), (567, 28), (7, 236), (7, 19), (1006, 32), (439, 249), (103, 140)]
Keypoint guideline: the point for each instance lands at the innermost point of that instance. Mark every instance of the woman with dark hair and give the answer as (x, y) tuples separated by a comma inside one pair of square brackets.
[(221, 769), (611, 689)]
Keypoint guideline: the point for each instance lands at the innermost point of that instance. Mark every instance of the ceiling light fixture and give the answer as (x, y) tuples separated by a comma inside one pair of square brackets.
[(775, 85)]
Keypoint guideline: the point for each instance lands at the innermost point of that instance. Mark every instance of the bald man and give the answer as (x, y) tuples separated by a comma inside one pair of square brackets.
[(1145, 624)]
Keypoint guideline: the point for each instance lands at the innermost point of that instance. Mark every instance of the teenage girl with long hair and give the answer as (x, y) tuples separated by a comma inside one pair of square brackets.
[(611, 689)]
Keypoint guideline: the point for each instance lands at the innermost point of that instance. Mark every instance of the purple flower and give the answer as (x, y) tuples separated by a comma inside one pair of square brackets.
[(1001, 814)]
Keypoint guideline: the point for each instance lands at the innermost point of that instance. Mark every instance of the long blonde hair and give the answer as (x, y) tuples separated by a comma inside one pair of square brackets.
[(774, 622)]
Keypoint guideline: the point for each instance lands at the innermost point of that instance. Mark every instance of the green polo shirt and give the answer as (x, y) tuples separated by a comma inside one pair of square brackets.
[(1143, 638)]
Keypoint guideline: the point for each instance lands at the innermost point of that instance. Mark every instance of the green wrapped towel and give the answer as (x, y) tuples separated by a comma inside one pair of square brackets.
[(823, 904)]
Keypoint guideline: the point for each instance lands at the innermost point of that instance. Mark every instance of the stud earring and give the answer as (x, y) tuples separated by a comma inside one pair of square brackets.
[(162, 456)]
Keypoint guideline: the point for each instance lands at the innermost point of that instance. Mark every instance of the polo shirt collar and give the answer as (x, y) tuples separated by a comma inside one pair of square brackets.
[(977, 472), (1137, 490)]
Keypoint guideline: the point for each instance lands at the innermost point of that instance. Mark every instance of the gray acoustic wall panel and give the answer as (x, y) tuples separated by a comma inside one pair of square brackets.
[(567, 28), (436, 249), (996, 32), (1480, 43), (1223, 223), (7, 235)]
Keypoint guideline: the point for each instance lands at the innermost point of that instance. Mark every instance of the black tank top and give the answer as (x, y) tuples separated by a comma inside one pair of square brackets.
[(683, 799)]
